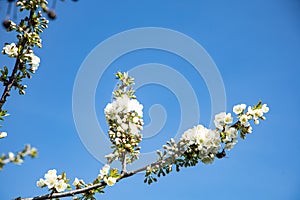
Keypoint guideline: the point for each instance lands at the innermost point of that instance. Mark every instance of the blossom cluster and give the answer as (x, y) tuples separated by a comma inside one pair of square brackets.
[(34, 61), (12, 51), (54, 182), (28, 36), (124, 118), (106, 174), (229, 134), (17, 158), (203, 144), (59, 183)]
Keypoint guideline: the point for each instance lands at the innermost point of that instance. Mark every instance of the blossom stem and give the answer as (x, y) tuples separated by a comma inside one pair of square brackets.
[(124, 162)]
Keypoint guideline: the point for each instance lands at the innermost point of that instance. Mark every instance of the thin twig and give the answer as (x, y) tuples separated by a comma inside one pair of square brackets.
[(124, 162), (8, 160)]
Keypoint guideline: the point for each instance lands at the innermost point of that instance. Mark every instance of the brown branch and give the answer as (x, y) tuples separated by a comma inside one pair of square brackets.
[(85, 189), (9, 84)]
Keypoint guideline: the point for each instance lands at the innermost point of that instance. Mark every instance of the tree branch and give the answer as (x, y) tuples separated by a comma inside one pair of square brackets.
[(88, 188), (12, 77), (9, 84)]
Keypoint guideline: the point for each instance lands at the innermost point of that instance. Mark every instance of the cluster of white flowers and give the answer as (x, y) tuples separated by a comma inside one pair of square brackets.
[(11, 50), (34, 61), (257, 113), (126, 113), (229, 135), (53, 181), (205, 143), (124, 117), (222, 120), (254, 113), (104, 175)]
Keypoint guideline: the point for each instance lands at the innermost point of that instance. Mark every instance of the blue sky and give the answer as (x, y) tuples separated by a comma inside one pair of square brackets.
[(255, 45)]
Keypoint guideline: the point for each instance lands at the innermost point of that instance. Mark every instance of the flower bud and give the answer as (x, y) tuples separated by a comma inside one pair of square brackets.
[(51, 14), (6, 23)]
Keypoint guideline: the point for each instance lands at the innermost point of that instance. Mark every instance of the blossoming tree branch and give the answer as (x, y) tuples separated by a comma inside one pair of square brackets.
[(26, 63), (124, 116)]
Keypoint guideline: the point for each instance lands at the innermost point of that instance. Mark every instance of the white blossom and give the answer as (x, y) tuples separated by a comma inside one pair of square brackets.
[(110, 181), (100, 176), (265, 108), (219, 120), (206, 140), (11, 50), (105, 169), (108, 109), (231, 136), (51, 182), (124, 126), (231, 133), (123, 105), (61, 186), (11, 156), (134, 105), (255, 113), (222, 119), (34, 61), (244, 120), (51, 174), (238, 109), (249, 130), (228, 119), (3, 135), (40, 183), (76, 182), (51, 178), (133, 128), (135, 120)]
